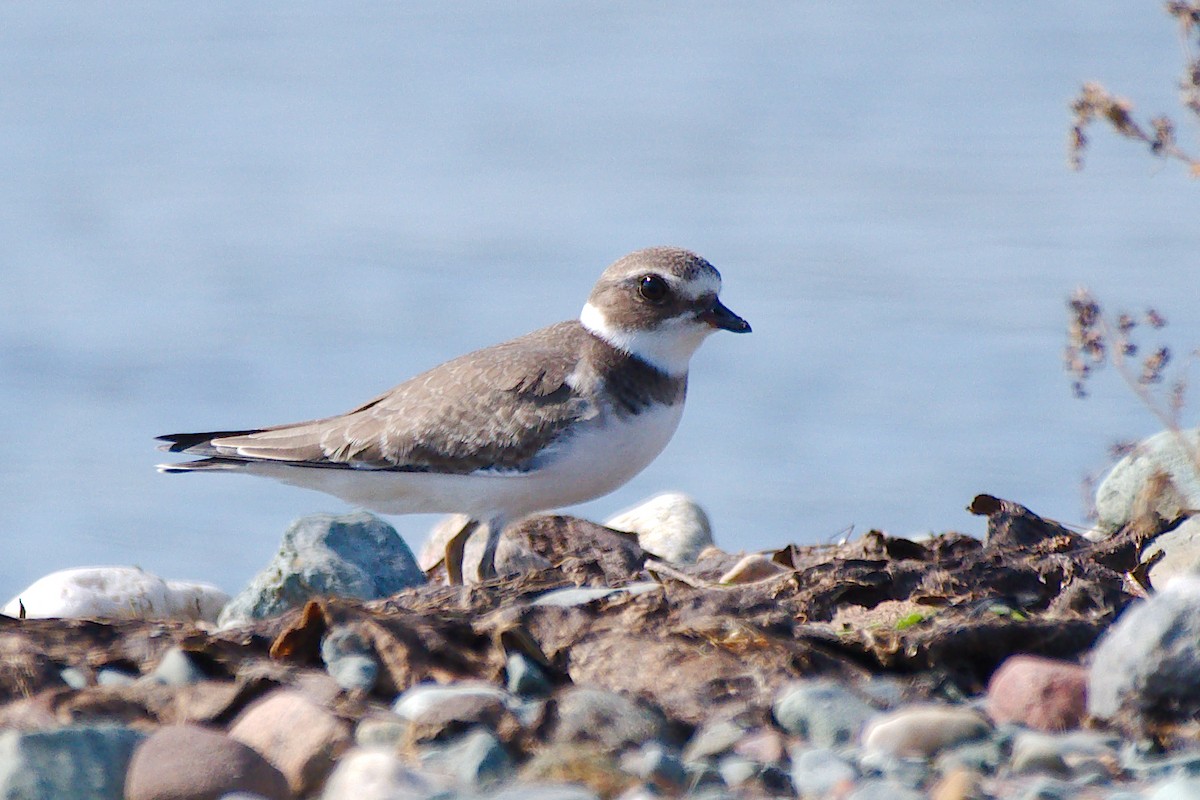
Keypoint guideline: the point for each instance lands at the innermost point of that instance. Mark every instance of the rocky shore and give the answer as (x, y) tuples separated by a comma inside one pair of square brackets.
[(1037, 663)]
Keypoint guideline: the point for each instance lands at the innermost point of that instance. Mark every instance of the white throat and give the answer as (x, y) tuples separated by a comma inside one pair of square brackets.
[(669, 347)]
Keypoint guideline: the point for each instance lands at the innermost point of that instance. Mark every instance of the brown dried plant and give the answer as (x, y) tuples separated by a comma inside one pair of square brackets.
[(1094, 339), (1094, 102)]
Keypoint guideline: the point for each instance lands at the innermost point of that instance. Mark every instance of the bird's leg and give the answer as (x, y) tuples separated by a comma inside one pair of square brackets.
[(487, 566), (454, 552)]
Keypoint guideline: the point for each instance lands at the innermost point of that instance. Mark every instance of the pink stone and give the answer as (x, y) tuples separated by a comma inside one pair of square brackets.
[(301, 738), (1041, 693), (188, 762)]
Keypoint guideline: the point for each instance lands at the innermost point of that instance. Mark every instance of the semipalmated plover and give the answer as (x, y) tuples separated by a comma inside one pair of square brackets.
[(556, 417)]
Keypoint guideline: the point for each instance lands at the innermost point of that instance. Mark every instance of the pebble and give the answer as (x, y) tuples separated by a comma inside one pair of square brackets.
[(354, 555), (381, 730), (820, 772), (609, 720), (922, 730), (824, 712), (177, 668), (670, 526), (1041, 693), (1119, 493), (73, 677), (350, 659), (110, 676), (712, 739), (982, 755), (116, 593), (434, 709), (524, 677), (77, 761), (300, 738), (657, 765), (1036, 753), (187, 762), (736, 770), (1148, 661), (1174, 554), (475, 760), (368, 773), (765, 746), (751, 568)]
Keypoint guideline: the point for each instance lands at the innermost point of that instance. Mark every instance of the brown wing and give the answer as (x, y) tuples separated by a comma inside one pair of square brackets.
[(496, 408)]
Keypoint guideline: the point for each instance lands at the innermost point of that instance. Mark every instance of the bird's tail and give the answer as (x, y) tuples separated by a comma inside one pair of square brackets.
[(202, 465)]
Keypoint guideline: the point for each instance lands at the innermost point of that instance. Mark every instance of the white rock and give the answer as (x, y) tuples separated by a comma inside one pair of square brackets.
[(754, 567), (417, 702), (671, 526), (1121, 490), (1174, 553), (922, 730), (116, 593), (367, 773)]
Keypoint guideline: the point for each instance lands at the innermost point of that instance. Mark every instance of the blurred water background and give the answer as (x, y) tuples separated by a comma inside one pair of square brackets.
[(228, 214)]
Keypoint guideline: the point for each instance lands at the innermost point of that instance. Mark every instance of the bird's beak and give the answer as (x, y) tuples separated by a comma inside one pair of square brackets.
[(721, 317)]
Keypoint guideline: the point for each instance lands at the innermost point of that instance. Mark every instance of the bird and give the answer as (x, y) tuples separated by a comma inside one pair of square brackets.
[(556, 417)]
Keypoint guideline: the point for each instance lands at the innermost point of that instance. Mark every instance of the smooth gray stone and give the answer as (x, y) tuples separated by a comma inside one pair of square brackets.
[(816, 771), (525, 678), (354, 672), (354, 555), (350, 659), (1149, 660), (476, 759), (84, 761), (822, 711), (610, 720), (177, 669)]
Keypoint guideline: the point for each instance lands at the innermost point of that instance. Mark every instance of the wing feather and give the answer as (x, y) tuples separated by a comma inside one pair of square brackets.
[(494, 409)]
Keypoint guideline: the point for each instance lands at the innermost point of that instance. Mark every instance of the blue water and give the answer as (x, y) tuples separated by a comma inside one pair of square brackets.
[(229, 214)]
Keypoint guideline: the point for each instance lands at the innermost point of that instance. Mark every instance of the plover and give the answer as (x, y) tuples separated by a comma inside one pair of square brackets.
[(556, 417)]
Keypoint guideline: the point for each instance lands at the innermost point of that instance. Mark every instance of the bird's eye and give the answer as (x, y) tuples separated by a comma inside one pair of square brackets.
[(652, 288)]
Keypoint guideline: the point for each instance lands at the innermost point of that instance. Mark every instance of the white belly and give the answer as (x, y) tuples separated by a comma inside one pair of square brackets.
[(598, 459)]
